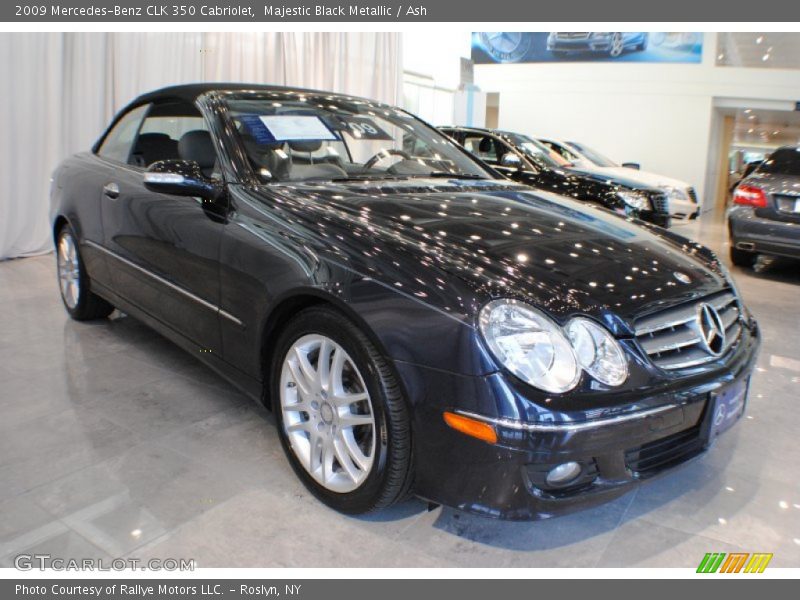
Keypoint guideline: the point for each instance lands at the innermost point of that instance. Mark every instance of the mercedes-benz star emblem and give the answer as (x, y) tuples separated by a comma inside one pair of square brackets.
[(682, 277), (712, 330)]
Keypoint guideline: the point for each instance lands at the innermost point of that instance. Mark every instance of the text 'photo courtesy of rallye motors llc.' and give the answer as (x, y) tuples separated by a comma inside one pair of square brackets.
[(586, 351)]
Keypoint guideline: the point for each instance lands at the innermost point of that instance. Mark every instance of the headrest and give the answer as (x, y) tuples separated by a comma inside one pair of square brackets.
[(305, 145), (197, 146), (485, 145), (154, 137)]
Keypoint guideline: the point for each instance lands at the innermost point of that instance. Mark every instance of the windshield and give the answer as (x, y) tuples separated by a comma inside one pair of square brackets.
[(536, 151), (593, 155), (785, 161), (291, 136)]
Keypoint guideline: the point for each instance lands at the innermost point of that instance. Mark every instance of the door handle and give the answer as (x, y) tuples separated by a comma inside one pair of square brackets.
[(111, 190)]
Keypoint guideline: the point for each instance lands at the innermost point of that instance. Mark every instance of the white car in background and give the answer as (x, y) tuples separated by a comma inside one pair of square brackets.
[(682, 196)]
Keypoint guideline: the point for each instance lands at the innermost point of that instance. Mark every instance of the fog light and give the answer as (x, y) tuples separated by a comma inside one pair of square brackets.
[(563, 474)]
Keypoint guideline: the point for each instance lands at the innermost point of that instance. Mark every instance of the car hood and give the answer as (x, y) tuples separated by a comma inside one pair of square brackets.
[(502, 240), (613, 176), (641, 177)]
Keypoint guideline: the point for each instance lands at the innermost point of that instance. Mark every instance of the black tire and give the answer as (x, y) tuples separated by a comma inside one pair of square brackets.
[(89, 306), (743, 258), (391, 474)]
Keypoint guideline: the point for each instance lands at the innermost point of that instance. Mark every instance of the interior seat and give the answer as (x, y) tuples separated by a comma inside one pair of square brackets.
[(197, 146), (310, 167), (152, 147), (268, 156)]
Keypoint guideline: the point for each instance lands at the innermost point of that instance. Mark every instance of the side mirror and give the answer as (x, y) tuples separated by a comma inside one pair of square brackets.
[(181, 178), (632, 165), (511, 160)]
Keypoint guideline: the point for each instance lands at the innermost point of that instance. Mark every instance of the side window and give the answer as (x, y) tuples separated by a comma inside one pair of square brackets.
[(483, 147), (561, 151), (162, 131), (117, 144)]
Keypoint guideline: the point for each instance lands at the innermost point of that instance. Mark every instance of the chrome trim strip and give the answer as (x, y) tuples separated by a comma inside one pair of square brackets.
[(169, 284), (521, 426)]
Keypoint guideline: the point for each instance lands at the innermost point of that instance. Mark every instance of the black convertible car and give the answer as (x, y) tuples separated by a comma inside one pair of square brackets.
[(524, 159), (417, 323)]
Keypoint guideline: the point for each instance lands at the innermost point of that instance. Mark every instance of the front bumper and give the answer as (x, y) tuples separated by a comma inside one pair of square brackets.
[(661, 219), (506, 480), (683, 209), (579, 45), (769, 236)]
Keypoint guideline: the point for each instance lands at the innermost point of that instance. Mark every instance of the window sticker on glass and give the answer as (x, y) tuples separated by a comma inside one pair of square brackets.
[(364, 128), (285, 128)]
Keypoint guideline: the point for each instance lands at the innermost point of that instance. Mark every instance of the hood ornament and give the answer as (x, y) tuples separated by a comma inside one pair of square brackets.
[(682, 277)]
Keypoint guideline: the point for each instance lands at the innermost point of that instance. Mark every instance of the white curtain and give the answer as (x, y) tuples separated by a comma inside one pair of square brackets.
[(63, 89)]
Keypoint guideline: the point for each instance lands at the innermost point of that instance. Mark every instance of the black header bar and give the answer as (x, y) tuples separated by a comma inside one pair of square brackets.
[(486, 11)]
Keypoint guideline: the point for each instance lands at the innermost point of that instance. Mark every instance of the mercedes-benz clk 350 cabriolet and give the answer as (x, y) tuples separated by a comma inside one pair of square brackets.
[(416, 323)]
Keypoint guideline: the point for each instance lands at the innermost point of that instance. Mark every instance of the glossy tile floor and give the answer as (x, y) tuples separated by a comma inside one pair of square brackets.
[(115, 443)]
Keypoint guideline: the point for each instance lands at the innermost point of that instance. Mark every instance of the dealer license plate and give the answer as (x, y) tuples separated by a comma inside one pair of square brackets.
[(728, 404)]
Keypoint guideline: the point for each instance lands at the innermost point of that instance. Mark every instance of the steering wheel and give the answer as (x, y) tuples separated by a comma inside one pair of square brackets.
[(383, 154)]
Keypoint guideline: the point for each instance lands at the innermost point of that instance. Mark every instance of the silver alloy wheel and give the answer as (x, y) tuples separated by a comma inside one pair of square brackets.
[(327, 413), (68, 270), (616, 45)]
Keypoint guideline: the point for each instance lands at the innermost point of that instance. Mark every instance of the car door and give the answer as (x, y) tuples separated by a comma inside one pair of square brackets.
[(165, 248)]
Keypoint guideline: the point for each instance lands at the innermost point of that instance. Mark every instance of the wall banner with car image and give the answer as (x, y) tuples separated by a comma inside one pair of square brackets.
[(491, 47)]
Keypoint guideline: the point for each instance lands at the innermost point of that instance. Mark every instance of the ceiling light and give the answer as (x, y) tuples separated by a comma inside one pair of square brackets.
[(759, 39), (765, 57), (747, 111)]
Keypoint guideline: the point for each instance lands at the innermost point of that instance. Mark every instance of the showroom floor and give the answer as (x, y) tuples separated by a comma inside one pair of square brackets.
[(114, 443)]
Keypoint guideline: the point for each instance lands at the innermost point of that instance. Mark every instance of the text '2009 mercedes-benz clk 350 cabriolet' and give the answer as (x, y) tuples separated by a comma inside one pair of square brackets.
[(416, 323)]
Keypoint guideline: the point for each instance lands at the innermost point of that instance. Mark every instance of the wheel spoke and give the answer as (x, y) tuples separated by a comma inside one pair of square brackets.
[(297, 407), (337, 368), (315, 450), (344, 400), (349, 419), (344, 460), (299, 426), (328, 453), (354, 452), (299, 377), (324, 363), (308, 372)]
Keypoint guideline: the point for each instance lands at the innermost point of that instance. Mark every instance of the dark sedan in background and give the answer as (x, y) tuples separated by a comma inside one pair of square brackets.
[(416, 323), (765, 215), (528, 161)]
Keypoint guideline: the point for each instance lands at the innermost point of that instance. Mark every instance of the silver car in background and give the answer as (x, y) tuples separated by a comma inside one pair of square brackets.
[(765, 215), (682, 198)]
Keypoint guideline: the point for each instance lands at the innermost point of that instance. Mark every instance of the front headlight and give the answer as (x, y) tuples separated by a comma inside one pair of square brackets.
[(530, 345), (598, 352), (634, 199), (676, 193)]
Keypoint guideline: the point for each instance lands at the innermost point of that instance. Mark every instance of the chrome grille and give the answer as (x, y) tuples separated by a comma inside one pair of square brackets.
[(672, 337), (692, 194), (573, 35), (660, 202)]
